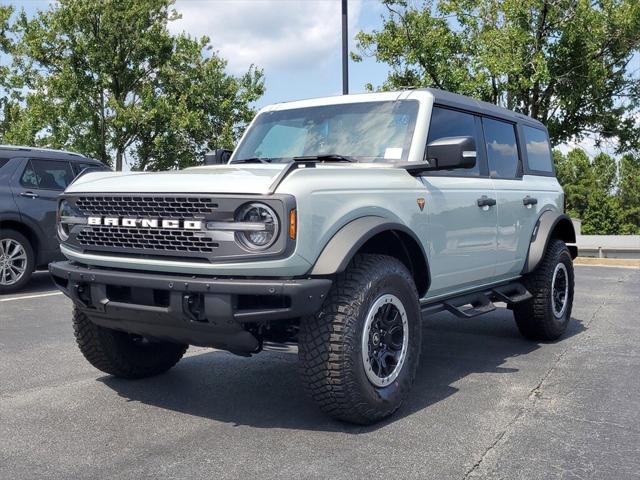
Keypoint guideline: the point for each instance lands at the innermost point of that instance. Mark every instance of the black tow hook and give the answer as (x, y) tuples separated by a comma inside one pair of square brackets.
[(193, 307)]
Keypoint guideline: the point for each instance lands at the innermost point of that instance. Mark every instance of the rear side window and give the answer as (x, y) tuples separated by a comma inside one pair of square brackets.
[(451, 123), (502, 149), (538, 149), (3, 162), (47, 175)]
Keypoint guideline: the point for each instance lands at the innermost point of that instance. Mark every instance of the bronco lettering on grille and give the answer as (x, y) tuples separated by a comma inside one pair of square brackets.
[(145, 223)]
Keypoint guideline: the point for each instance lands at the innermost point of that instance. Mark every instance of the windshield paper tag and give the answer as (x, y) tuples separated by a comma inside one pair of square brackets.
[(393, 153)]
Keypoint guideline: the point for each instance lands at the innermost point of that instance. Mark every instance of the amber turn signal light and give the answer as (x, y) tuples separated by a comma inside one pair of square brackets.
[(293, 224)]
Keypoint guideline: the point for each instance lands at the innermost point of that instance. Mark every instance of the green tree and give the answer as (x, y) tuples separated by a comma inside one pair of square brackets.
[(107, 79), (9, 95), (575, 174), (5, 40), (563, 62), (629, 194), (603, 193)]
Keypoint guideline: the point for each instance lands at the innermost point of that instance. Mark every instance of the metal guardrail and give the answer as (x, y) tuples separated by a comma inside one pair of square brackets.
[(609, 246)]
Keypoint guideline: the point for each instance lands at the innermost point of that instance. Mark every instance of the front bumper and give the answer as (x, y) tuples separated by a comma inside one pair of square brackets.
[(205, 311)]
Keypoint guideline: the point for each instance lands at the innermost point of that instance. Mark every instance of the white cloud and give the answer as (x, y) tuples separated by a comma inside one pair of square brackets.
[(590, 145), (272, 34)]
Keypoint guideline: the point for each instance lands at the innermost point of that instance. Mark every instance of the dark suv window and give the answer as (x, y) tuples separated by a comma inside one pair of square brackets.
[(502, 148), (47, 175), (3, 162), (538, 150), (451, 123)]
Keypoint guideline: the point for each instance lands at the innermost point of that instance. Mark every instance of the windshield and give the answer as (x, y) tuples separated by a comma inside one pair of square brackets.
[(370, 132)]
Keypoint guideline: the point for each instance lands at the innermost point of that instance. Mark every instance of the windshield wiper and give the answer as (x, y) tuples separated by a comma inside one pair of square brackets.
[(253, 160), (327, 157)]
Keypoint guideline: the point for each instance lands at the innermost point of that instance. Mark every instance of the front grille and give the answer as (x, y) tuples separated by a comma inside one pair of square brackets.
[(148, 239), (147, 206)]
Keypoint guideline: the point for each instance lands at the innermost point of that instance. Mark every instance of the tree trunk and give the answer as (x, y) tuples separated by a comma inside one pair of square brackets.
[(118, 160)]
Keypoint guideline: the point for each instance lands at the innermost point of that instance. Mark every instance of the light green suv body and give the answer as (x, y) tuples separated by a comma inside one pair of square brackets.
[(456, 231)]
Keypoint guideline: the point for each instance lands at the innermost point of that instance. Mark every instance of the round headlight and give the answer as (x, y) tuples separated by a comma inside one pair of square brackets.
[(66, 212), (262, 226)]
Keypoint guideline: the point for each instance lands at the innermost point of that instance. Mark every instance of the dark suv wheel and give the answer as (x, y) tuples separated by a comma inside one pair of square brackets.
[(546, 316), (359, 354), (16, 260)]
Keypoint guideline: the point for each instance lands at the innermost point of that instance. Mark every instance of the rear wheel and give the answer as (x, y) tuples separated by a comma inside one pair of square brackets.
[(123, 354), (546, 316), (359, 354), (16, 260)]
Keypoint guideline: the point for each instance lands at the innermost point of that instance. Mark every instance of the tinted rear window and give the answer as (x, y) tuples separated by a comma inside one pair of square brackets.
[(502, 149), (47, 174), (538, 150)]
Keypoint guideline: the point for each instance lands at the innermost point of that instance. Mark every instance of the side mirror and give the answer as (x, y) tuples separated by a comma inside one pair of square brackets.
[(217, 156), (451, 152)]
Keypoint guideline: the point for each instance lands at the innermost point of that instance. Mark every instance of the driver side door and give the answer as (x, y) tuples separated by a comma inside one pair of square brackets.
[(462, 223)]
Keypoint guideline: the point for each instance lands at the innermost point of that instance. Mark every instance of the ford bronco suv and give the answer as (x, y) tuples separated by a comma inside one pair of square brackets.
[(337, 223)]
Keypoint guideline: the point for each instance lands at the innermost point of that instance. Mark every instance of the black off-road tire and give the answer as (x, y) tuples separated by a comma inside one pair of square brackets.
[(330, 343), (121, 354), (535, 318), (9, 234)]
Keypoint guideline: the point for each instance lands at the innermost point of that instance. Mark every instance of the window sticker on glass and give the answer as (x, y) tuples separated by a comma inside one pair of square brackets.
[(393, 153)]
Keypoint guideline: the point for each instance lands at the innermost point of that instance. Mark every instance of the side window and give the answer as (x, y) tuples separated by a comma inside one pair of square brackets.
[(502, 149), (3, 162), (451, 123), (29, 178), (538, 149), (47, 175)]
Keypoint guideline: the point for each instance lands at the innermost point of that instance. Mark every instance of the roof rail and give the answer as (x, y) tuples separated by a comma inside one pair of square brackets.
[(37, 149)]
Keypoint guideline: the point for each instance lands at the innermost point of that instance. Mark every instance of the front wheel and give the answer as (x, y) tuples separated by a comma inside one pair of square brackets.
[(546, 316), (359, 354), (123, 354)]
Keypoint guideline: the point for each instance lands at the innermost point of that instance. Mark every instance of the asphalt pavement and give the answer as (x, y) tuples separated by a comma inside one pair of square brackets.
[(486, 404)]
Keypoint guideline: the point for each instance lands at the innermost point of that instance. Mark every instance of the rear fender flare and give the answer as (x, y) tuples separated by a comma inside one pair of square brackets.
[(550, 225)]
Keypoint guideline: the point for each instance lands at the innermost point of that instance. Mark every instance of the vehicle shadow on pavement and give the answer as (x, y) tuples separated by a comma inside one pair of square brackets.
[(266, 392)]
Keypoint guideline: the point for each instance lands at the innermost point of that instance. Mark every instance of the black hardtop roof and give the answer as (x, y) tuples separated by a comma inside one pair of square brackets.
[(13, 151), (462, 102)]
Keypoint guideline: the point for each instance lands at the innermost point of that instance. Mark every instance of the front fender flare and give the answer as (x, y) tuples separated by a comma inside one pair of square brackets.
[(550, 224), (342, 247)]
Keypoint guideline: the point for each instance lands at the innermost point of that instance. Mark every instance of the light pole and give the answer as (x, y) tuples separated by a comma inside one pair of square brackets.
[(345, 50)]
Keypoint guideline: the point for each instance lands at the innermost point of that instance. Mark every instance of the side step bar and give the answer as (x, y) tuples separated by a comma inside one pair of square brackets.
[(471, 305)]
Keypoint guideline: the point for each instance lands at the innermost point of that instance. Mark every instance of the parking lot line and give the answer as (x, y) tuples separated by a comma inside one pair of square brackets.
[(26, 297)]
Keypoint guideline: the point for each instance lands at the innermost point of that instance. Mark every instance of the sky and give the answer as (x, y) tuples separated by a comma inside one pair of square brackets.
[(297, 43)]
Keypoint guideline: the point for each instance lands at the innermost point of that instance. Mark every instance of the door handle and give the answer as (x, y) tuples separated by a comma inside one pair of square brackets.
[(29, 194), (485, 201), (526, 201)]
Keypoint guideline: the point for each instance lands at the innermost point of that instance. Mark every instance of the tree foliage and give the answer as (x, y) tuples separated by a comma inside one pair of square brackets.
[(603, 193), (563, 62), (108, 79)]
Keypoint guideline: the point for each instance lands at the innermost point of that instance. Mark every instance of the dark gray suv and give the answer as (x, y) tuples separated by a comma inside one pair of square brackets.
[(30, 181)]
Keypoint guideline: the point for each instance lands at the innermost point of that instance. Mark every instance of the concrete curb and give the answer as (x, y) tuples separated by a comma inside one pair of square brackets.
[(608, 262)]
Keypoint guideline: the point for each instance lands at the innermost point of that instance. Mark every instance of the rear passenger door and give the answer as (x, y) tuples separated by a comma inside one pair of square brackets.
[(515, 213), (461, 234), (36, 189)]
